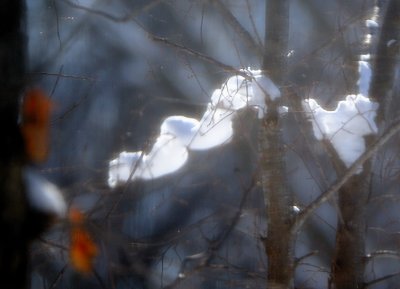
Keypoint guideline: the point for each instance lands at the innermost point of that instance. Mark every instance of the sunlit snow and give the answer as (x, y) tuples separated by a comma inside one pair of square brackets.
[(214, 129), (345, 126), (353, 118), (238, 92), (371, 23), (182, 127), (180, 134), (123, 167), (167, 155), (365, 76)]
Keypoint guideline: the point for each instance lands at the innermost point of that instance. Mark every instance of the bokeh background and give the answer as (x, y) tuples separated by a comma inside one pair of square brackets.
[(113, 84)]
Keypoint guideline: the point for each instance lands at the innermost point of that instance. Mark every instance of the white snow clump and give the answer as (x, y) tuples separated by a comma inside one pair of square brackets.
[(370, 23), (345, 126), (178, 134), (365, 75), (352, 119)]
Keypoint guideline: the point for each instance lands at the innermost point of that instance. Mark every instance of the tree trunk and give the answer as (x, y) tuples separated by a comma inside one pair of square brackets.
[(13, 204), (279, 244), (348, 260), (386, 59), (348, 264)]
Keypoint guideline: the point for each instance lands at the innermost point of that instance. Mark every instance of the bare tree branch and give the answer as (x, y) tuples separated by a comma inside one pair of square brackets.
[(206, 257), (238, 28), (329, 193), (300, 259), (58, 277), (381, 279), (196, 54), (62, 75), (253, 24), (382, 254), (125, 18)]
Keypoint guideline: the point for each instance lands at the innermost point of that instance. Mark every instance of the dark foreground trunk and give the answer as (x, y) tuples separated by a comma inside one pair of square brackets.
[(279, 243), (13, 204)]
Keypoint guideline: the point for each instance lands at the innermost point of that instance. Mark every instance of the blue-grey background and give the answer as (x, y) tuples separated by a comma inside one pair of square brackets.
[(112, 85)]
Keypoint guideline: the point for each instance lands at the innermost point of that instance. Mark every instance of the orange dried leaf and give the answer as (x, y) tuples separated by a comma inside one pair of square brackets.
[(35, 127), (82, 250)]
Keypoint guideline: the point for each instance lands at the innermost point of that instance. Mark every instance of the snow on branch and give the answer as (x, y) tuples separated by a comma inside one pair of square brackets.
[(352, 119), (180, 134)]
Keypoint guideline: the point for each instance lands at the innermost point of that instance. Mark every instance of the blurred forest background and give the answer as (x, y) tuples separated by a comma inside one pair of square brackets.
[(113, 80)]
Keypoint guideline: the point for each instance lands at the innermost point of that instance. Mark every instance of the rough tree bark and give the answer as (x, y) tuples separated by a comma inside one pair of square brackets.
[(347, 268), (279, 243), (348, 264), (386, 59), (348, 260)]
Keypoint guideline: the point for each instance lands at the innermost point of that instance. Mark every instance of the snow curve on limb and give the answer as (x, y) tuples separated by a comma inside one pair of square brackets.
[(180, 134)]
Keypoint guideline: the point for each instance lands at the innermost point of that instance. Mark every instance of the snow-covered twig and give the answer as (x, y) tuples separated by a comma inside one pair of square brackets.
[(328, 194), (181, 134)]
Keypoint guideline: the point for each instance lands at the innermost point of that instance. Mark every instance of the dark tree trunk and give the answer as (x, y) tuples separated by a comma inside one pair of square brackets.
[(279, 244), (348, 261), (13, 204), (348, 264), (386, 59)]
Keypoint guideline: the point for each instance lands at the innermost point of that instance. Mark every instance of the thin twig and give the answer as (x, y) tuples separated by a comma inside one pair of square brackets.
[(197, 54), (332, 40), (382, 254), (218, 243), (62, 75), (57, 23), (134, 14), (57, 80), (381, 279), (328, 194), (126, 186), (253, 24), (238, 28), (125, 18), (58, 277), (53, 244), (206, 256), (74, 106), (300, 259)]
